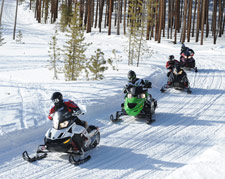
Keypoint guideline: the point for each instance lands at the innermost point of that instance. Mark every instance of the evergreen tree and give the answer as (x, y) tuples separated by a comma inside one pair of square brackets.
[(66, 16), (75, 59), (54, 54), (96, 65), (136, 31)]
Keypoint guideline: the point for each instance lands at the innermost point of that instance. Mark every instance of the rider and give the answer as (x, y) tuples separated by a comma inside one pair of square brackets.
[(71, 107), (171, 63), (184, 49), (178, 75), (134, 81)]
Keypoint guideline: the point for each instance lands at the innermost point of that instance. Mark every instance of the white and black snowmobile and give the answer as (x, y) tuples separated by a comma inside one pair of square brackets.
[(67, 137)]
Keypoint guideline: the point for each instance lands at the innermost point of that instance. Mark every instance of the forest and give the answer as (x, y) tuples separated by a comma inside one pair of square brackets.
[(167, 19)]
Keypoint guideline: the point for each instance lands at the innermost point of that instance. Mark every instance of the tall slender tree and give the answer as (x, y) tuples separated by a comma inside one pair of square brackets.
[(75, 59), (203, 21)]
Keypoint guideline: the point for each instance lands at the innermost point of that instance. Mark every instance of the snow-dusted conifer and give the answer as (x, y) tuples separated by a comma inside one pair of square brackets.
[(96, 65), (136, 31), (75, 59)]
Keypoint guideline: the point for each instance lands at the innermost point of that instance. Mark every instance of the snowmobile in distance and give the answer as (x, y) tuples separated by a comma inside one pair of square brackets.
[(63, 138), (187, 61), (177, 80), (137, 105)]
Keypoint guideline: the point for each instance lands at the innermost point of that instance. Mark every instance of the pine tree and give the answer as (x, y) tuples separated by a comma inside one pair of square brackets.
[(66, 16), (136, 31), (54, 54), (75, 59), (96, 65)]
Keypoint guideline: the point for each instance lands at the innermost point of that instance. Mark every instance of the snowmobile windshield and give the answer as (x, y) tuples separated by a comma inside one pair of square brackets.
[(61, 120), (136, 92), (187, 54)]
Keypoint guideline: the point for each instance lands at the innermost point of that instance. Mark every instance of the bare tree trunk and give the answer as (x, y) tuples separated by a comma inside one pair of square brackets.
[(96, 13), (92, 12), (198, 21), (164, 17), (110, 16), (124, 16), (30, 4), (100, 14), (176, 19), (183, 35), (203, 21), (106, 13), (157, 22), (169, 17), (220, 18), (118, 18), (1, 11), (88, 16), (193, 25), (14, 31), (81, 11), (160, 19), (149, 16), (189, 20), (214, 21), (207, 18)]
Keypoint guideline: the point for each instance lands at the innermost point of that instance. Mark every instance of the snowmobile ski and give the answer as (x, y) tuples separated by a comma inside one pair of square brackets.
[(38, 156), (150, 121), (114, 119), (78, 162), (189, 91)]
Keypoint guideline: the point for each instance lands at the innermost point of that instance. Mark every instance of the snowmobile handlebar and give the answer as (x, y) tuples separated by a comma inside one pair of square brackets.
[(77, 113)]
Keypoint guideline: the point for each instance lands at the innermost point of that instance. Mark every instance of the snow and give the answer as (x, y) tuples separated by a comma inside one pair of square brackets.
[(186, 141)]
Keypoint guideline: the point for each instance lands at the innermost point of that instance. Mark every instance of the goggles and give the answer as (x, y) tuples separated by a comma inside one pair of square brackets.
[(55, 100)]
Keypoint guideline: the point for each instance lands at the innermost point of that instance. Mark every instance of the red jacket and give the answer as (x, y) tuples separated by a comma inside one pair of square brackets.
[(69, 104), (170, 65)]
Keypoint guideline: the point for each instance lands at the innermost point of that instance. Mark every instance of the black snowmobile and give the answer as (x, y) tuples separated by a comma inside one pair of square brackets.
[(137, 105), (176, 81), (64, 137), (187, 61)]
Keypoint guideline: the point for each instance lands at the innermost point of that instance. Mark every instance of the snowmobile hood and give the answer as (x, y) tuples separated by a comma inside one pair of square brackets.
[(54, 134), (133, 106)]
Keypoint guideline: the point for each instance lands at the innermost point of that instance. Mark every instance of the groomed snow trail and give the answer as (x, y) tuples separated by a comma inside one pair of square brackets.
[(186, 124)]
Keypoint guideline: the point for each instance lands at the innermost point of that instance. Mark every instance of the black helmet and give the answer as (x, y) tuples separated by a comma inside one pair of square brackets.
[(57, 98), (131, 75), (171, 57)]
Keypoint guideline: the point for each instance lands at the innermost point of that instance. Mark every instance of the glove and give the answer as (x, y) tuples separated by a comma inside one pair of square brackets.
[(76, 112), (126, 88), (148, 84)]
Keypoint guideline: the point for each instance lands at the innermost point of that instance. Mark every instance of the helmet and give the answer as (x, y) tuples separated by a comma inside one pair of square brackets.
[(183, 47), (57, 98), (171, 57), (177, 70), (131, 75)]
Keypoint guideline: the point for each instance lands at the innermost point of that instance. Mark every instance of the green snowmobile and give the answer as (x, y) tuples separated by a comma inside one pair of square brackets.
[(136, 104)]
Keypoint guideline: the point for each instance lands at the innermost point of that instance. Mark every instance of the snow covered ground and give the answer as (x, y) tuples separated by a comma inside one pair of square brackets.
[(186, 141)]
